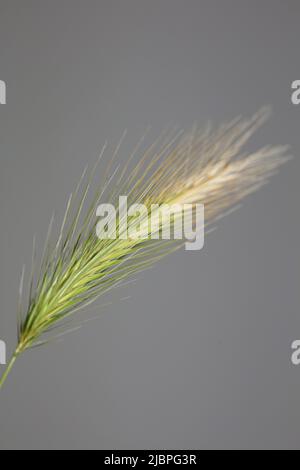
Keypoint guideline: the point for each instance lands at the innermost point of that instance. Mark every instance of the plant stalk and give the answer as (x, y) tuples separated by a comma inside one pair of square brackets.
[(8, 369)]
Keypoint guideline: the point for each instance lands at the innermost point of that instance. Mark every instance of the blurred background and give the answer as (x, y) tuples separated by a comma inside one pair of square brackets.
[(200, 356)]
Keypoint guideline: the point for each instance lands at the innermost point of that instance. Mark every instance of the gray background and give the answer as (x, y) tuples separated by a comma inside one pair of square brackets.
[(200, 355)]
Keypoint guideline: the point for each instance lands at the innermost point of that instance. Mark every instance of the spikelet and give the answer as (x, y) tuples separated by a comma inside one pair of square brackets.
[(209, 167)]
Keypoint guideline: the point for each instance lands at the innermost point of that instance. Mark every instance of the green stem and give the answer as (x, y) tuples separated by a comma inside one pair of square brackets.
[(8, 369)]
